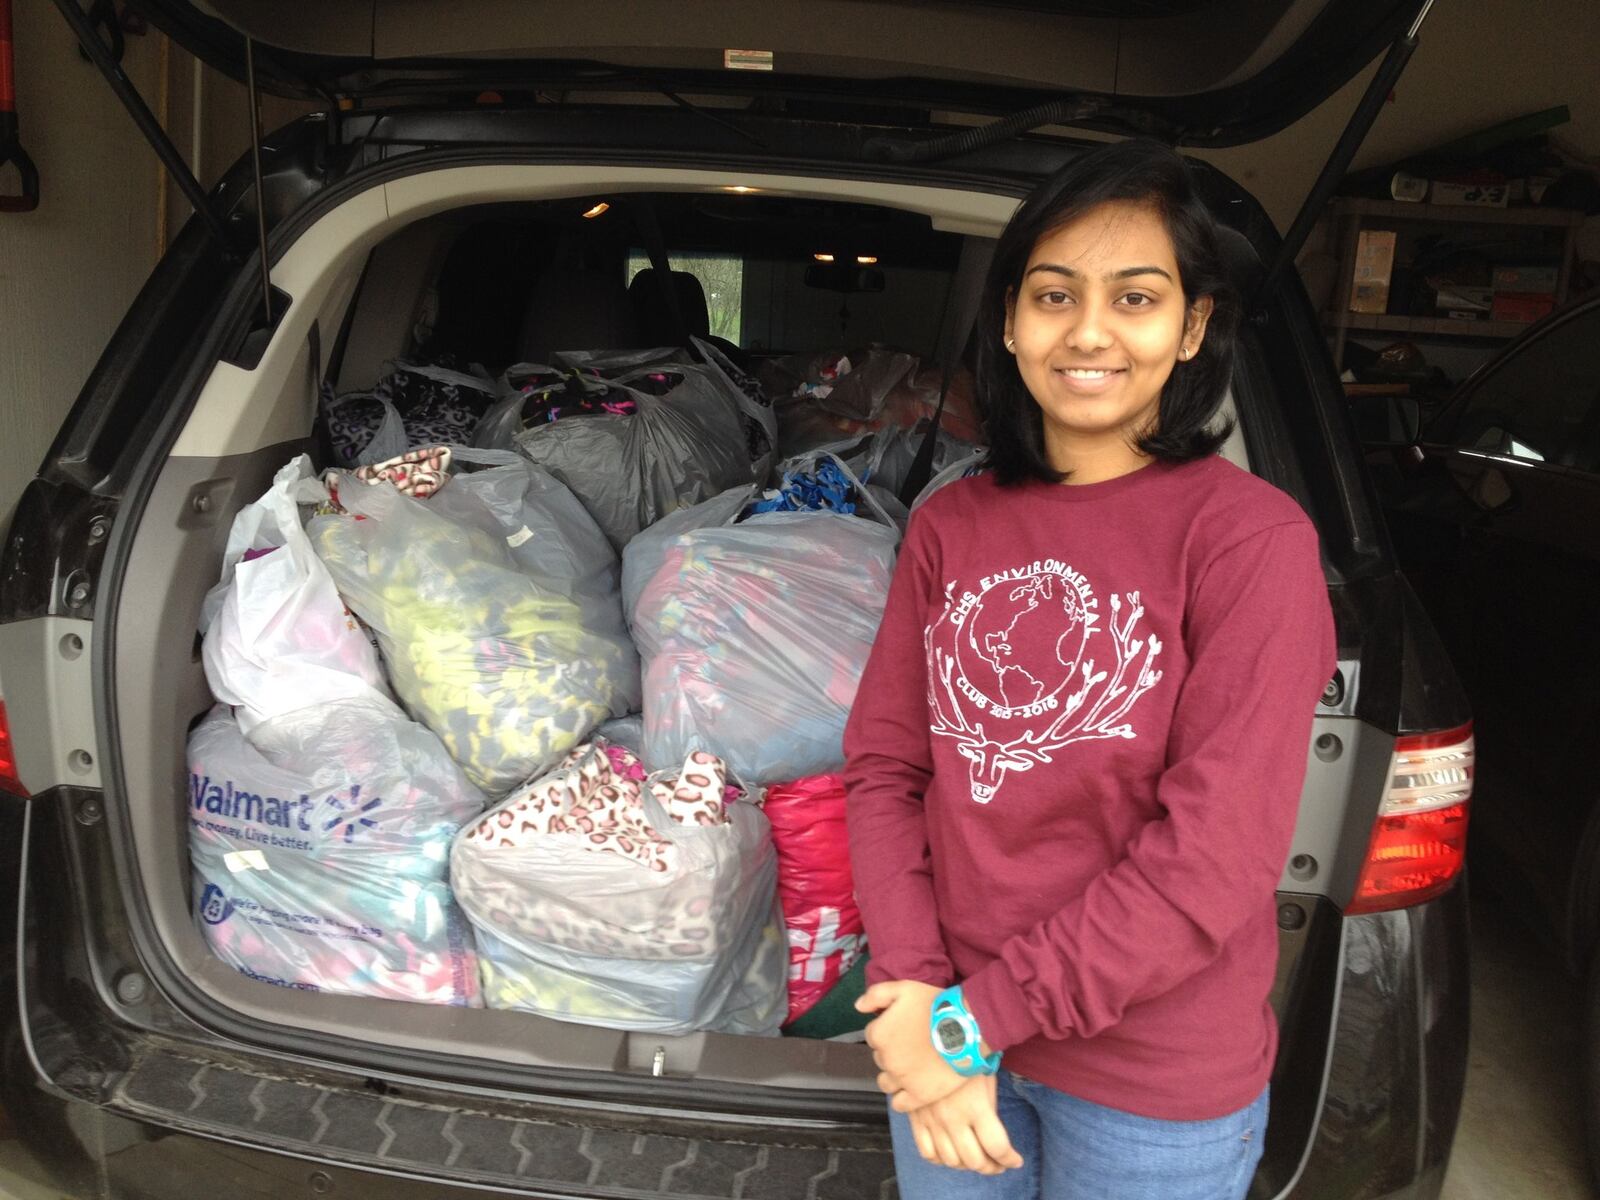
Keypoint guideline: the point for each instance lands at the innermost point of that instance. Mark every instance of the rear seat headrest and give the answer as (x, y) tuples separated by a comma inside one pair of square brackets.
[(574, 309), (654, 316)]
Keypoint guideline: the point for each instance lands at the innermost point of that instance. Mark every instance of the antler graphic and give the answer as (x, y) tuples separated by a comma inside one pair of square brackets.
[(991, 759), (954, 722), (1114, 702)]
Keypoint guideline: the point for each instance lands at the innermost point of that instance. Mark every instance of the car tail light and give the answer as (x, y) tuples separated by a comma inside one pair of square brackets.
[(8, 759), (1420, 838)]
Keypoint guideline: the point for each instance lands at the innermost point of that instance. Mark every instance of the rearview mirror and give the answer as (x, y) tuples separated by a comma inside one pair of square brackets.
[(844, 277)]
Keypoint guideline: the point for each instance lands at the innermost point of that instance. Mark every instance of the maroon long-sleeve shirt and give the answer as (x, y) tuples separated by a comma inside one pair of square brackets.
[(1074, 765)]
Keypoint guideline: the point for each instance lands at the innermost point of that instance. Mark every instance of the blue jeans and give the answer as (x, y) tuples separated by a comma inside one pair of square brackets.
[(1074, 1150)]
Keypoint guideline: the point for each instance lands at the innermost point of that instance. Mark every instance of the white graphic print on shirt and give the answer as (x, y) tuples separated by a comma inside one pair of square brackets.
[(1013, 673)]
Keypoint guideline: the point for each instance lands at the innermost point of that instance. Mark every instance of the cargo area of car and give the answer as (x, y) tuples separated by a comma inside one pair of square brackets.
[(458, 262), (482, 269)]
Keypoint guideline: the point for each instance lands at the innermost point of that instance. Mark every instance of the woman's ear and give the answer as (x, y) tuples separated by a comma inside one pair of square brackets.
[(1008, 335), (1194, 326)]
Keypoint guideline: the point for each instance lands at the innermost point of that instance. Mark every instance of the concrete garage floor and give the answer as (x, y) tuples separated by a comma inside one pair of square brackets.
[(1521, 1131)]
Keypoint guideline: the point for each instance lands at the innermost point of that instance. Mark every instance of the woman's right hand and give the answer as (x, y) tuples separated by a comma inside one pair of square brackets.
[(963, 1130)]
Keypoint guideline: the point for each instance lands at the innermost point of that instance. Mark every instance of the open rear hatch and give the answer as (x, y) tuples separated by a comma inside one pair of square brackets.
[(1200, 72)]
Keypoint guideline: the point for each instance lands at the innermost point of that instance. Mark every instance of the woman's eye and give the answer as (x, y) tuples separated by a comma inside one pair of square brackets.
[(1054, 298), (1138, 300)]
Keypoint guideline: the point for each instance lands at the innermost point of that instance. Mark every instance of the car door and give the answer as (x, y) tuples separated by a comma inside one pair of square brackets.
[(1498, 527)]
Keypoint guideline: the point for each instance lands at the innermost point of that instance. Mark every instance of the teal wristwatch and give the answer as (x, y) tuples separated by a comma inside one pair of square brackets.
[(955, 1035)]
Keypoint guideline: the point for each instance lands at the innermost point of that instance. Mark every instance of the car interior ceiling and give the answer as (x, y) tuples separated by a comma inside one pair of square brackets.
[(522, 280)]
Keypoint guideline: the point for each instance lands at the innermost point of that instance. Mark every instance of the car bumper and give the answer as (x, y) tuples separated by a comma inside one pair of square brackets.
[(178, 1122)]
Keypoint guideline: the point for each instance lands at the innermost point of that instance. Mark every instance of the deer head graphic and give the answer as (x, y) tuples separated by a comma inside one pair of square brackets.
[(1009, 709)]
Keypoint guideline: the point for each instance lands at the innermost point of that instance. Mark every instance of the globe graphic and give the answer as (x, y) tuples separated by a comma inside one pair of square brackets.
[(1023, 638)]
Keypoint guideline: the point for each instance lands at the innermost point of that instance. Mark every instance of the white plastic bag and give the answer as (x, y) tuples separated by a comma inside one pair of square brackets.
[(754, 635), (320, 852), (277, 636), (605, 900), (504, 670)]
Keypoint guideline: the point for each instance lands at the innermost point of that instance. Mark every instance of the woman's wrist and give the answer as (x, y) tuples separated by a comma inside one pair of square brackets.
[(956, 1037)]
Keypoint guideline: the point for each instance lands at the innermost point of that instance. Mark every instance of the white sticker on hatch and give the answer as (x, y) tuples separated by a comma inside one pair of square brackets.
[(747, 60)]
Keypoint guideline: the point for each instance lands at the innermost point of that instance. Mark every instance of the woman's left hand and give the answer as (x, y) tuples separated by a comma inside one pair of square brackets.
[(910, 1069), (964, 1130)]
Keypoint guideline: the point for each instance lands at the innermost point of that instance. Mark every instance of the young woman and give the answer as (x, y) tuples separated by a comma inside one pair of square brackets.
[(1076, 755)]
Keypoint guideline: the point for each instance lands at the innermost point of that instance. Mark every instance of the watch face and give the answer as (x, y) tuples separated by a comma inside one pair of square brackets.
[(952, 1037)]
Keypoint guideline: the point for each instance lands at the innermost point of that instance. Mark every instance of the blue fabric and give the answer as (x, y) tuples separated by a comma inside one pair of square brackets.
[(1074, 1150), (825, 488)]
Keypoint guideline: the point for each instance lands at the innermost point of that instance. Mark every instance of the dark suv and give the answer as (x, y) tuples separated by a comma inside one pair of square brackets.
[(449, 184)]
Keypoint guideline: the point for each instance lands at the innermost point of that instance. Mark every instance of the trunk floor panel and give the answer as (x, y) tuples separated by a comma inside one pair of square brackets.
[(605, 1158)]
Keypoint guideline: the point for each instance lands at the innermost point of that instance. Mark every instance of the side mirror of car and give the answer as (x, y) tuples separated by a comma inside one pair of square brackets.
[(1387, 420)]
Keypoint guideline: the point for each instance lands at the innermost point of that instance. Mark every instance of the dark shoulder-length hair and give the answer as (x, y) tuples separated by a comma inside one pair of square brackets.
[(1145, 172)]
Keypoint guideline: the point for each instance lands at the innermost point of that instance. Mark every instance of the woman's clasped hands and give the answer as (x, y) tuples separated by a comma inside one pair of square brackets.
[(955, 1119)]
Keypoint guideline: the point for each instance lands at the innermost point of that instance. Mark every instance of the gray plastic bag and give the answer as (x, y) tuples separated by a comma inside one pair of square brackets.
[(754, 635), (629, 471), (557, 544), (894, 450), (969, 464), (818, 404)]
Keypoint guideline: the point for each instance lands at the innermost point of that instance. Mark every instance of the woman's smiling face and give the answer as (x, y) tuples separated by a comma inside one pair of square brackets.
[(1097, 325)]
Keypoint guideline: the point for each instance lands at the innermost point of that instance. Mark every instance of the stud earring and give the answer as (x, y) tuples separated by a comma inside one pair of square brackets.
[(1010, 344)]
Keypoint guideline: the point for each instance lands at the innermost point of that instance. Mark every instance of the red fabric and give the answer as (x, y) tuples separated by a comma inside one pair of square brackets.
[(1075, 763), (814, 885)]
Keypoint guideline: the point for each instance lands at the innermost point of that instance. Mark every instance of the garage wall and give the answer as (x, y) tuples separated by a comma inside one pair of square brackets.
[(70, 269)]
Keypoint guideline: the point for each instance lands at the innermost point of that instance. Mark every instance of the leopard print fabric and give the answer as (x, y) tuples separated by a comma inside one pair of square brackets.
[(587, 806), (638, 903), (599, 863)]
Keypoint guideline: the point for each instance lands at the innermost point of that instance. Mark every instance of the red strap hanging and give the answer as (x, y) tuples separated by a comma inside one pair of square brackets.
[(11, 151)]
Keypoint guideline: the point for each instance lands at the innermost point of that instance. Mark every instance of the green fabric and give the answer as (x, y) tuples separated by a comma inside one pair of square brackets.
[(836, 1012)]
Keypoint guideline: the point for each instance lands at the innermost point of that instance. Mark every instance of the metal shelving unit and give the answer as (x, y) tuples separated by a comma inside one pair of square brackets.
[(1352, 215)]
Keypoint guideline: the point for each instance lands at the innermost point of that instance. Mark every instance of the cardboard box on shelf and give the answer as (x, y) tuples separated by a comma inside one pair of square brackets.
[(1526, 307), (1541, 277), (1464, 303), (1369, 287)]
